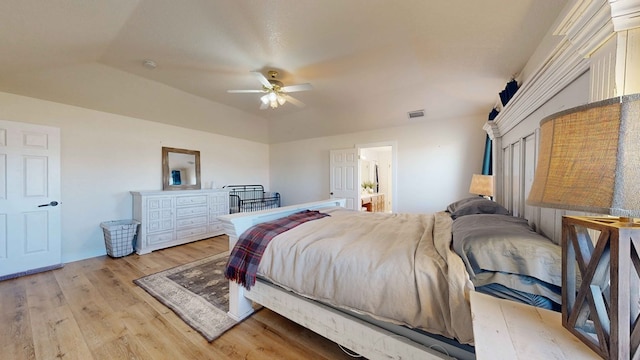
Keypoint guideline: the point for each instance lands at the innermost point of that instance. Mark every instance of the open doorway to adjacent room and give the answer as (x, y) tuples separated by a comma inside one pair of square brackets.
[(376, 176)]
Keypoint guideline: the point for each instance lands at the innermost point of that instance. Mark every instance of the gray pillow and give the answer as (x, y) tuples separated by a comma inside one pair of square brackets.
[(475, 205), (526, 284), (506, 244)]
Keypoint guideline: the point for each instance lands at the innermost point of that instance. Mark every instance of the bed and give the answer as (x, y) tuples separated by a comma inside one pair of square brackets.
[(571, 67), (421, 311)]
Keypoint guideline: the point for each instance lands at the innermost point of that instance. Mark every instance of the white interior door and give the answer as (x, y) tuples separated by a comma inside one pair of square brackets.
[(343, 181), (29, 198)]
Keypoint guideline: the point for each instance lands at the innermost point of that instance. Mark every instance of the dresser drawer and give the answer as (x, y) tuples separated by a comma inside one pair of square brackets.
[(221, 198), (159, 214), (191, 221), (155, 203), (192, 232), (219, 209), (191, 200), (216, 227), (160, 225), (159, 238), (191, 211)]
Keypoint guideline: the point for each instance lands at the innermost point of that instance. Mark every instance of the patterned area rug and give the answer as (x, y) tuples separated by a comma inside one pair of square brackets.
[(197, 292)]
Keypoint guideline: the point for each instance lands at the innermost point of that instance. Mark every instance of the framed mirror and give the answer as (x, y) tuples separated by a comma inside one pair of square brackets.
[(180, 169)]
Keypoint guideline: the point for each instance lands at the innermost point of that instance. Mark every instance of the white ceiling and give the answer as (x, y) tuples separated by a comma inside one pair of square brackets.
[(369, 61)]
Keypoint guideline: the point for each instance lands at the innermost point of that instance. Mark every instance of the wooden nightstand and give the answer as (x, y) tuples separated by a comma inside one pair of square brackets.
[(506, 329)]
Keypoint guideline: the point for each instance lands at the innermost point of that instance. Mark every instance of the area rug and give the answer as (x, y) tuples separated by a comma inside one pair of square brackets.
[(197, 292)]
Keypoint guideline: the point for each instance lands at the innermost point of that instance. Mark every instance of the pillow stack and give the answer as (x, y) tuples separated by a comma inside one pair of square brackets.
[(499, 249)]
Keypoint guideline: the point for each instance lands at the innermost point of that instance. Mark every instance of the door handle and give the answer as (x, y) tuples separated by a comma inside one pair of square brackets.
[(331, 193), (53, 203)]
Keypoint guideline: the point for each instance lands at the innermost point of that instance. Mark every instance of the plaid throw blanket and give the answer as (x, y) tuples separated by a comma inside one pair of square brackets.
[(245, 256)]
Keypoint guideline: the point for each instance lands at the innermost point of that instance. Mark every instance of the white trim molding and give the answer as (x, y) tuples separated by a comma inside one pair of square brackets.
[(585, 26), (601, 37), (492, 130), (625, 14)]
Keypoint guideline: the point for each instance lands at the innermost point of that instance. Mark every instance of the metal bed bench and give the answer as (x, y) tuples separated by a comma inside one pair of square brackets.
[(247, 198)]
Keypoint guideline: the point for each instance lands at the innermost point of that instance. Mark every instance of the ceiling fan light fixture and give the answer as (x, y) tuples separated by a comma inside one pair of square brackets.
[(273, 91)]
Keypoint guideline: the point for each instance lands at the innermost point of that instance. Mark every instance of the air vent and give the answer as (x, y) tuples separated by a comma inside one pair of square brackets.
[(415, 114)]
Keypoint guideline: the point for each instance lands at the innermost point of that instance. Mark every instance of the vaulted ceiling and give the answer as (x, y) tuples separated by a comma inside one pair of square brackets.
[(369, 61)]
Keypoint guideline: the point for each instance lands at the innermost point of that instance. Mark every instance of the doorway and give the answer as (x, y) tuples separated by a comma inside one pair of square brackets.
[(377, 168), (30, 219)]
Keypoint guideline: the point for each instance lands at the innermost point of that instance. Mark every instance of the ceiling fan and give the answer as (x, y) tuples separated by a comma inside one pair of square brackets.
[(275, 93)]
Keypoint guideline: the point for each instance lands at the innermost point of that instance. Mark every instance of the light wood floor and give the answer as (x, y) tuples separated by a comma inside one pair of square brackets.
[(91, 309)]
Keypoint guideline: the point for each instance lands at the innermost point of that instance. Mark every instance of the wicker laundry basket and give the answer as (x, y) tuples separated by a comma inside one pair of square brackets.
[(119, 236)]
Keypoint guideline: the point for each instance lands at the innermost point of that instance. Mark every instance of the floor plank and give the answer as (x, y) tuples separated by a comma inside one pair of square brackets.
[(16, 339), (91, 309), (57, 335), (94, 315)]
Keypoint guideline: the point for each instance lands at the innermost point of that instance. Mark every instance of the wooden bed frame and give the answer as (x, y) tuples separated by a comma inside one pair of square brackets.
[(590, 56), (355, 334)]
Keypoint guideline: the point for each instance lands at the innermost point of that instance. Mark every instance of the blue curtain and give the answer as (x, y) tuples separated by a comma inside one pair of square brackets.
[(505, 95), (486, 162), (508, 92)]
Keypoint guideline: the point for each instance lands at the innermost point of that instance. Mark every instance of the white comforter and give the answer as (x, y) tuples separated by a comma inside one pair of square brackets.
[(394, 267)]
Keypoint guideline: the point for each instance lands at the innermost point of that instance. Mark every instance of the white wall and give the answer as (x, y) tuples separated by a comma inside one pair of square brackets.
[(104, 156), (434, 166)]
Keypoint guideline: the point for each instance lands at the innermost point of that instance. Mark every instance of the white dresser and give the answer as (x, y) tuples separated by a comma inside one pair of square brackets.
[(169, 218)]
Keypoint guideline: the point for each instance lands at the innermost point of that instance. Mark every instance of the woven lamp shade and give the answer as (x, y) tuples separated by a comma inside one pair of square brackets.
[(589, 159), (481, 185)]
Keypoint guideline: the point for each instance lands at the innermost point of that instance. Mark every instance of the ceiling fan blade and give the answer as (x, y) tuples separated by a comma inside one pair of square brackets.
[(244, 91), (293, 100), (263, 80), (299, 87)]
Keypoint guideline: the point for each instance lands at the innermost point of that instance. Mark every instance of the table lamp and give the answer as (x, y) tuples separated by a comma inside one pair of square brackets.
[(589, 161), (482, 185)]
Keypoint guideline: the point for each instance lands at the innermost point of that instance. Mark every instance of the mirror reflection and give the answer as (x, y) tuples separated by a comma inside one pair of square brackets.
[(369, 176), (180, 169)]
